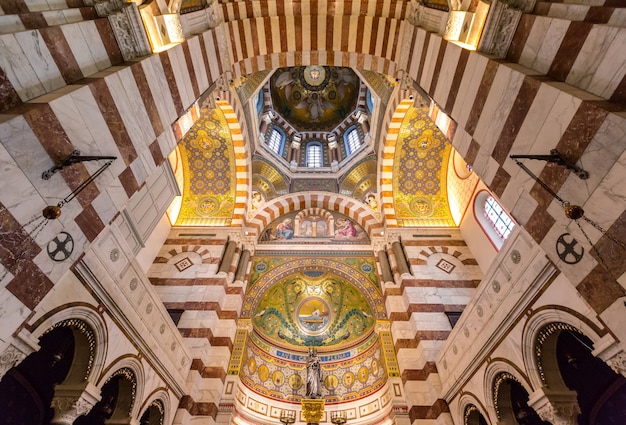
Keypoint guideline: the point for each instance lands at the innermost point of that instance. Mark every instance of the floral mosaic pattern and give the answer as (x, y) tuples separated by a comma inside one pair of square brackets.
[(208, 164), (420, 173), (281, 375)]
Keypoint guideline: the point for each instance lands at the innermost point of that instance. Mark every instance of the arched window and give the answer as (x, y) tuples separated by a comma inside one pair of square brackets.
[(369, 100), (352, 140), (499, 219), (276, 141), (314, 155), (496, 223), (259, 102)]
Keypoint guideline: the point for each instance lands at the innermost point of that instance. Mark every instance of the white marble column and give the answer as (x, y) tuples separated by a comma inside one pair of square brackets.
[(71, 401), (242, 267), (556, 407)]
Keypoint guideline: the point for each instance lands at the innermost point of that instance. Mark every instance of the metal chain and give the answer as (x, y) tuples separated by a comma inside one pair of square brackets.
[(593, 248), (33, 235), (604, 232)]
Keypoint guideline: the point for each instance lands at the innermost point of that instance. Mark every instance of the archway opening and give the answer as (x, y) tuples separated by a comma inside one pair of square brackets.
[(601, 392), (27, 390)]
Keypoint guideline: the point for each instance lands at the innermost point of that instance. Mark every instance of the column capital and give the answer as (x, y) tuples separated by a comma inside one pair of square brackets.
[(556, 407), (72, 401), (17, 350), (611, 352)]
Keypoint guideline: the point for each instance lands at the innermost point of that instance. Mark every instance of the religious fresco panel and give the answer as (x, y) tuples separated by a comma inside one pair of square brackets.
[(314, 225), (280, 374)]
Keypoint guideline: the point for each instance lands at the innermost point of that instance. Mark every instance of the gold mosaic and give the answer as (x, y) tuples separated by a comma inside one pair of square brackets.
[(208, 168), (420, 172)]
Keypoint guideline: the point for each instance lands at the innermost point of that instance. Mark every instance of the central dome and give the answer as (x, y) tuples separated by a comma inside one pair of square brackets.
[(314, 98), (313, 309)]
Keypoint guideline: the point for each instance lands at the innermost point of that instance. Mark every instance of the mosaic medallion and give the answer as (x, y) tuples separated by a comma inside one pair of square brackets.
[(313, 315)]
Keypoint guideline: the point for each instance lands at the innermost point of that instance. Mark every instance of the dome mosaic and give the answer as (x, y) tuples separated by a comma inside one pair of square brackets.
[(314, 98), (311, 309)]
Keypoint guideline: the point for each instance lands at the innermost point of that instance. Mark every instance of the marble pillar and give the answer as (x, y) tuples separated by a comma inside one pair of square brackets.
[(403, 266), (385, 268), (242, 267), (227, 258)]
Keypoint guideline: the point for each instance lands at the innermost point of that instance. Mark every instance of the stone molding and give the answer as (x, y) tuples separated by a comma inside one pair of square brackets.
[(129, 32), (611, 352), (107, 7)]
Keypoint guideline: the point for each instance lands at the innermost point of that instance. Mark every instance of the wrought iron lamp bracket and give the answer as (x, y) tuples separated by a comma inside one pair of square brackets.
[(74, 158), (556, 157)]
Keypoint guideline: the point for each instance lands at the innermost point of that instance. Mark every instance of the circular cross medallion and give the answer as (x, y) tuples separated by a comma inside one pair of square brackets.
[(60, 248), (567, 250)]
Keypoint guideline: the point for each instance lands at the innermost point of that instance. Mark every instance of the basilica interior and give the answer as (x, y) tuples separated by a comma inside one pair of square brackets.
[(313, 212)]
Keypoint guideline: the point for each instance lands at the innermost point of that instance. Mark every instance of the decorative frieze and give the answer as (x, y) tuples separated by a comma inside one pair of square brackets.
[(10, 358), (108, 7), (611, 352), (129, 32), (499, 28), (21, 346)]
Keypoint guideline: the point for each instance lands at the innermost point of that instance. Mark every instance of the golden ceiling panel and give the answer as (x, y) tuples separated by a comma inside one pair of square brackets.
[(266, 178), (208, 168), (360, 180), (420, 173)]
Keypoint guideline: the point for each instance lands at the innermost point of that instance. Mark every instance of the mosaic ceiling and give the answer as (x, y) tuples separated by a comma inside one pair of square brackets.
[(307, 310), (360, 180), (301, 300), (268, 180), (314, 98), (420, 173), (208, 167)]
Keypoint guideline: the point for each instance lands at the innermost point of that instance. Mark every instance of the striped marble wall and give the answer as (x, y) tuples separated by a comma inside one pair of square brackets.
[(385, 172), (586, 54), (272, 34), (443, 278), (500, 107), (503, 108), (275, 208), (126, 111), (242, 158), (207, 303)]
